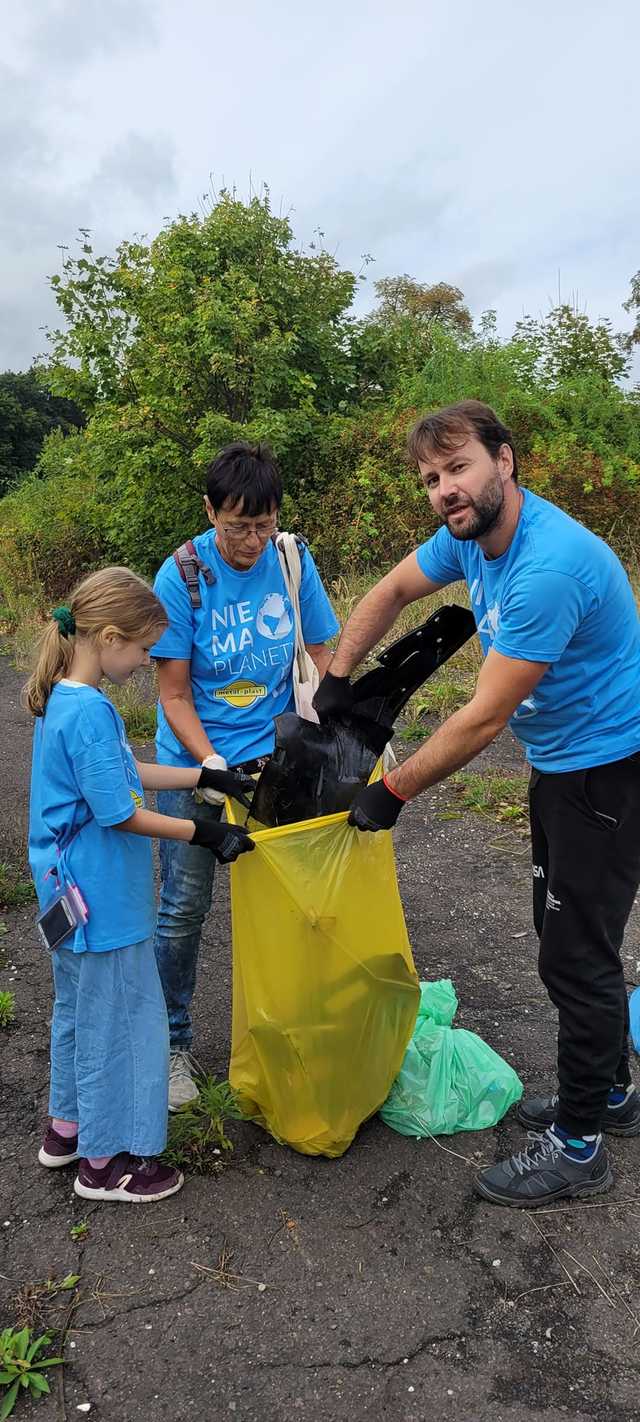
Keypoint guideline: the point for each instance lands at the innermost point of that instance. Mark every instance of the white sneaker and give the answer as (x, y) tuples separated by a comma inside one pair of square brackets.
[(182, 1087)]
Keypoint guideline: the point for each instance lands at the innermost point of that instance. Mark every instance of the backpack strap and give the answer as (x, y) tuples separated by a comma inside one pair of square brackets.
[(190, 566), (290, 550), (279, 542)]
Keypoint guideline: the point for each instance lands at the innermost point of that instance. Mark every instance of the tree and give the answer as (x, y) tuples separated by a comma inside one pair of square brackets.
[(395, 341), (567, 345), (218, 329), (633, 306), (400, 297), (28, 413), (218, 315)]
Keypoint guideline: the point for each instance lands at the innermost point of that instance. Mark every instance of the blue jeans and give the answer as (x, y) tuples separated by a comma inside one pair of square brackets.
[(110, 1049), (185, 900)]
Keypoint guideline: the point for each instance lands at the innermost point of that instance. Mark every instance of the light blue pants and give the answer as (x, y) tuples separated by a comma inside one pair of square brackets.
[(110, 1049), (185, 900)]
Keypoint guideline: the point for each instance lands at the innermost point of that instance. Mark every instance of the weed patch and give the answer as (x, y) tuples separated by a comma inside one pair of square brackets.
[(7, 1008), (502, 797), (22, 1365), (15, 890), (197, 1135), (32, 1300), (448, 690)]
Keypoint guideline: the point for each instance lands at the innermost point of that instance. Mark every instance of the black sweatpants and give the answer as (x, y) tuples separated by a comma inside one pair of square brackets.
[(585, 844)]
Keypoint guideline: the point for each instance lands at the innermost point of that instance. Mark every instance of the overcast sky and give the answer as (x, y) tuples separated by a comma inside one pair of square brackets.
[(493, 144)]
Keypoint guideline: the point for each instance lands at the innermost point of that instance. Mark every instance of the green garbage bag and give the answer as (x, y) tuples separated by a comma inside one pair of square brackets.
[(450, 1080)]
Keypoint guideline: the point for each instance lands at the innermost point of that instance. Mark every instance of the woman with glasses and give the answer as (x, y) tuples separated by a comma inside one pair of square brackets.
[(225, 670)]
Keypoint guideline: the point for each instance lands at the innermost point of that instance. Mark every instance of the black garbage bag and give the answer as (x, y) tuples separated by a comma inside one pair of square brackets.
[(317, 769)]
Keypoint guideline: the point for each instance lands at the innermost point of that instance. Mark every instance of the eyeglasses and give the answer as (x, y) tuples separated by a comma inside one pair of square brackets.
[(237, 532)]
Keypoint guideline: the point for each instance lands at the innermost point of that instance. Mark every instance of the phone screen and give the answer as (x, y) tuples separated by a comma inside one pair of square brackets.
[(55, 925)]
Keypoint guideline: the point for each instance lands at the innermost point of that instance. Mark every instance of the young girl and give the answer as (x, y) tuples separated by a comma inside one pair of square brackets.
[(88, 828)]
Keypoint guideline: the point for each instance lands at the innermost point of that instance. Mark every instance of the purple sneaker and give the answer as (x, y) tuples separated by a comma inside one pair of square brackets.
[(57, 1150), (128, 1177)]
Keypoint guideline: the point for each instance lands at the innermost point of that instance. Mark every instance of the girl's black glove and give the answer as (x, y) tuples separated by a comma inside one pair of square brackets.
[(376, 807), (233, 783), (225, 841)]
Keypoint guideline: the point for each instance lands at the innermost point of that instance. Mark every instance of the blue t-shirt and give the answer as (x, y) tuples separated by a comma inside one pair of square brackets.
[(557, 595), (83, 782), (241, 645)]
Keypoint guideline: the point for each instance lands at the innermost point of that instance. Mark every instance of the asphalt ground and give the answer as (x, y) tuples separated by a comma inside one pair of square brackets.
[(374, 1286)]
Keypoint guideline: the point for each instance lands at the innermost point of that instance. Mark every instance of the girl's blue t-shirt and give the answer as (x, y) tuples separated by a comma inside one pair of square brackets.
[(84, 781), (560, 595), (240, 645)]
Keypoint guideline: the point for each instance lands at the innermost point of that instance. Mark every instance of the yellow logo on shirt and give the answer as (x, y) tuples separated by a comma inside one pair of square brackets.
[(137, 799), (241, 693)]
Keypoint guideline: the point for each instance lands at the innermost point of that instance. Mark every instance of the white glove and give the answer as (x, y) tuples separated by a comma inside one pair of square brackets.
[(214, 797)]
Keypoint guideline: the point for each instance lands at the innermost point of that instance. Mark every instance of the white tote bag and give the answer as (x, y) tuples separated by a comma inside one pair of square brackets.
[(305, 671)]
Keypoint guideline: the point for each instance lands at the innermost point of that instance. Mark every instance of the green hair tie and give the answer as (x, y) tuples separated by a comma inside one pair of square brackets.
[(65, 620)]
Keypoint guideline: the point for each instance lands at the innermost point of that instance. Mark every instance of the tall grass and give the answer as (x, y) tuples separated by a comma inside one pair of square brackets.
[(448, 688)]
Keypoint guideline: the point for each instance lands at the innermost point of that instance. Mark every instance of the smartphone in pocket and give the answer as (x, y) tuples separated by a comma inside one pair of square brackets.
[(61, 917)]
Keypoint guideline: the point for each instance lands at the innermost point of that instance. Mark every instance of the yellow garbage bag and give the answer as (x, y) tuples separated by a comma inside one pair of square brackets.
[(325, 993)]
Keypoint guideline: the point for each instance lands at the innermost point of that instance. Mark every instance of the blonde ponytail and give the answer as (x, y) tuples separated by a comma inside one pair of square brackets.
[(112, 597), (55, 655)]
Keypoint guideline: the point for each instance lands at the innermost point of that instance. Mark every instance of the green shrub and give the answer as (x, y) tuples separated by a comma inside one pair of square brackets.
[(7, 1008)]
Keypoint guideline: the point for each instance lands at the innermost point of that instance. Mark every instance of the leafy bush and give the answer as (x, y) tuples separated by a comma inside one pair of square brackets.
[(222, 329)]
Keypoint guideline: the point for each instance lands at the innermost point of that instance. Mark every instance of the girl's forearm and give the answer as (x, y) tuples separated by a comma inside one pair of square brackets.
[(167, 777), (147, 822)]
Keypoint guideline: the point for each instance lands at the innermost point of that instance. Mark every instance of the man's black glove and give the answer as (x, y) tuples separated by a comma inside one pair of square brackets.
[(376, 807), (225, 841), (334, 697), (233, 783)]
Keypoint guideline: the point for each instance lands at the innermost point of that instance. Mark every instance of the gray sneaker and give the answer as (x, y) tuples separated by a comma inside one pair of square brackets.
[(543, 1172), (182, 1087)]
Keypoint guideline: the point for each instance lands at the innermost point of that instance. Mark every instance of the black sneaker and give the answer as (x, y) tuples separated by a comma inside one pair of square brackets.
[(539, 1112), (543, 1172)]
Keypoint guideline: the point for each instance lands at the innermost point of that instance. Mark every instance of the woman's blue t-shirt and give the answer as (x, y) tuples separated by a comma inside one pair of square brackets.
[(560, 595), (240, 645), (84, 781)]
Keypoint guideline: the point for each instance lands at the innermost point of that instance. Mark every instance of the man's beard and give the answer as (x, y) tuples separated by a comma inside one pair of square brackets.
[(482, 514)]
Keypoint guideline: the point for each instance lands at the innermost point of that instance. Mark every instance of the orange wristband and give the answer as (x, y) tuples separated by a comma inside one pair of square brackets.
[(404, 798)]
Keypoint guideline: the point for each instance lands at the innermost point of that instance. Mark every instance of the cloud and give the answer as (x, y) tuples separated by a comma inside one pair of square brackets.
[(488, 146), (66, 34), (138, 169), (44, 200)]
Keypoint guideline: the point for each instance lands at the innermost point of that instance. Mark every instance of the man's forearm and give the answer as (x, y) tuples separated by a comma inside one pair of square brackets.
[(453, 745), (368, 623), (187, 726)]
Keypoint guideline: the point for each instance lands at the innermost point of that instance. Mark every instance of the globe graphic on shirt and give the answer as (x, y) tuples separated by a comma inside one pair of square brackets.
[(274, 619)]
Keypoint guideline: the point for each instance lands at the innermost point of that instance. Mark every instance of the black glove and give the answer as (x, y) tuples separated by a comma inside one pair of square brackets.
[(225, 841), (334, 697), (376, 807), (233, 783)]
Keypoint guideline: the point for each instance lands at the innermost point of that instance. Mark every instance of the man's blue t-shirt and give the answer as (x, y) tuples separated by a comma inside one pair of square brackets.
[(557, 595), (241, 645), (83, 782)]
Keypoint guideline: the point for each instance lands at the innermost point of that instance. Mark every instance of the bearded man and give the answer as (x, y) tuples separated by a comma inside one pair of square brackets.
[(561, 640)]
